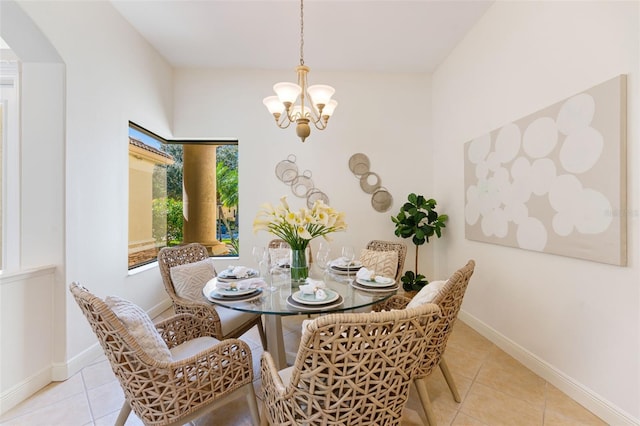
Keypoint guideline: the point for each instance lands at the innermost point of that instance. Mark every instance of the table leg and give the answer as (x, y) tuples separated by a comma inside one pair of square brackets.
[(275, 340)]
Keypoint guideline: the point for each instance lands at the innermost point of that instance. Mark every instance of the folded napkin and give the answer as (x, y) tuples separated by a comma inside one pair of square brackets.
[(241, 285), (342, 262), (238, 271), (314, 287), (366, 274)]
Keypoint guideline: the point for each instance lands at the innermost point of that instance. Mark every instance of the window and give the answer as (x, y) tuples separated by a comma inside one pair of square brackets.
[(181, 192)]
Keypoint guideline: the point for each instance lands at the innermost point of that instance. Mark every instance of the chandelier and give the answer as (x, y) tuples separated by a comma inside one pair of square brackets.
[(315, 103)]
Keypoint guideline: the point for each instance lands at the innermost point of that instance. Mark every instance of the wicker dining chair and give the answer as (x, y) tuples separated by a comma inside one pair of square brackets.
[(449, 299), (199, 371), (350, 369), (400, 248), (227, 323)]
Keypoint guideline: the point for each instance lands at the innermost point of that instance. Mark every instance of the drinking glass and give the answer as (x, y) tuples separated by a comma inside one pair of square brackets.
[(349, 254), (322, 258), (258, 254), (261, 256)]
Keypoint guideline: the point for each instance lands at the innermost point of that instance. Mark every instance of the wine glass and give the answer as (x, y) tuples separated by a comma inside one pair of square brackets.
[(349, 254), (258, 254), (322, 258), (261, 256)]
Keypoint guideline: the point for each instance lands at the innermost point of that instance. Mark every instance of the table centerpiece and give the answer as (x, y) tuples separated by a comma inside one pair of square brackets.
[(298, 228)]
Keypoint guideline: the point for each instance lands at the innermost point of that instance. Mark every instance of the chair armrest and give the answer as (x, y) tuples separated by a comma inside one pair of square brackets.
[(272, 384), (202, 310), (182, 327), (394, 302)]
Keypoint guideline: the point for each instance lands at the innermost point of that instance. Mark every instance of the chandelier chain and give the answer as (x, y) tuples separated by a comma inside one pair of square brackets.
[(301, 32)]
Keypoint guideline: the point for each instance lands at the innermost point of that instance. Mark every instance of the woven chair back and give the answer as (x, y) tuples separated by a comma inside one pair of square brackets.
[(449, 299), (401, 248), (168, 257), (355, 369)]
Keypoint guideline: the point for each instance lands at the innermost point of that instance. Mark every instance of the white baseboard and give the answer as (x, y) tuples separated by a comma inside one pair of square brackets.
[(581, 394), (61, 371), (160, 308), (23, 390)]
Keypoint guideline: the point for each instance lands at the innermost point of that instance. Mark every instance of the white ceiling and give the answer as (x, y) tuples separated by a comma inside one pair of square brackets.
[(339, 35)]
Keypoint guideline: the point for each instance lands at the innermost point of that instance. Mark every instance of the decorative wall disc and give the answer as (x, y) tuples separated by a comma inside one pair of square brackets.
[(316, 194), (287, 170), (381, 200), (302, 184), (359, 164), (369, 182)]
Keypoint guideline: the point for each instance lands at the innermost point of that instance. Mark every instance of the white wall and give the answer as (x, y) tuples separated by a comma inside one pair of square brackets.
[(75, 171), (384, 116), (578, 320), (521, 57)]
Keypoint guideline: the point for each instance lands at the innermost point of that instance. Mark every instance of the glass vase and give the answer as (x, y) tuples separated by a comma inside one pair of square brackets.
[(299, 267)]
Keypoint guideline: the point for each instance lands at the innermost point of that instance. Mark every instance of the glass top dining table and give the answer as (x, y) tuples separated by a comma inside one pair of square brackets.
[(277, 301)]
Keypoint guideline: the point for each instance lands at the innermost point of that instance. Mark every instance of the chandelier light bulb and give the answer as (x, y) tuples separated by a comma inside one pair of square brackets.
[(274, 105), (320, 94), (329, 108), (287, 92)]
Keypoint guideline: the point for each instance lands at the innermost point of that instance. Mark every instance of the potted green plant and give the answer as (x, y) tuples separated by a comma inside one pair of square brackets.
[(419, 221)]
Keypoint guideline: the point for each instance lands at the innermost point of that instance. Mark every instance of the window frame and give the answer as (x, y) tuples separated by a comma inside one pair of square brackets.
[(181, 141)]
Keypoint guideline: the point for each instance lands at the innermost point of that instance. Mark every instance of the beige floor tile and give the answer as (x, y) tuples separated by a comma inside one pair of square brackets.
[(504, 373), (497, 408), (98, 374), (439, 392), (110, 419), (466, 337), (105, 399), (559, 404), (52, 393), (464, 420), (73, 411), (464, 362)]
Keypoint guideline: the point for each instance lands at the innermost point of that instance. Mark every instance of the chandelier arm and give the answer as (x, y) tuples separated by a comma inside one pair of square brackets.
[(321, 123), (284, 120)]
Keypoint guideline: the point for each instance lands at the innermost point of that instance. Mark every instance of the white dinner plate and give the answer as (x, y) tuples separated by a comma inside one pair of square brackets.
[(387, 282), (346, 266), (374, 289), (310, 299), (339, 271), (234, 292), (215, 297), (304, 307)]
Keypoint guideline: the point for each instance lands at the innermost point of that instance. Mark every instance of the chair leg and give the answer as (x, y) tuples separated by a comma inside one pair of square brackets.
[(124, 414), (449, 378), (263, 335), (426, 402), (253, 404)]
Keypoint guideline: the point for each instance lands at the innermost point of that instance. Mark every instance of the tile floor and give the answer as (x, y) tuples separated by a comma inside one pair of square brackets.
[(495, 388)]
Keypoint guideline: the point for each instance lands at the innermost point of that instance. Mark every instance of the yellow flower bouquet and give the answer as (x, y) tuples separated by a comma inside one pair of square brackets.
[(299, 228)]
